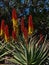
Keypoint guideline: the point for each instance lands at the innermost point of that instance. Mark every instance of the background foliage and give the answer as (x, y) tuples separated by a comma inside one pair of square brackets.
[(37, 8)]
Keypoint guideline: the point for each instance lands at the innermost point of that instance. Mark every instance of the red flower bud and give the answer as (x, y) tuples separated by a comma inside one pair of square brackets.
[(14, 35), (30, 21), (25, 33), (22, 24), (14, 14), (6, 33)]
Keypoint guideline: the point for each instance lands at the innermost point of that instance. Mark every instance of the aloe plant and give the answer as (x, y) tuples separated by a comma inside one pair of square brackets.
[(30, 53)]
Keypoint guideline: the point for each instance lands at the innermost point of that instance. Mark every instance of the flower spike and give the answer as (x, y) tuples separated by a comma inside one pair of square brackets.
[(30, 25), (6, 33)]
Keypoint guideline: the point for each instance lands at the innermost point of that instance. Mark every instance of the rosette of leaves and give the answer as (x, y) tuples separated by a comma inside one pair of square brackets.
[(33, 53)]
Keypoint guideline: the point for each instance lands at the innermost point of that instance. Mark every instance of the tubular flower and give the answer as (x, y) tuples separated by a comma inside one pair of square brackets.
[(22, 24), (6, 32), (25, 33), (14, 35), (30, 25), (2, 27), (14, 20)]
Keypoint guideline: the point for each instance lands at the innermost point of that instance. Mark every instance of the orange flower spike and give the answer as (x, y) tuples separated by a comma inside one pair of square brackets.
[(25, 33), (14, 18), (6, 32), (22, 24), (14, 35), (30, 25), (2, 26)]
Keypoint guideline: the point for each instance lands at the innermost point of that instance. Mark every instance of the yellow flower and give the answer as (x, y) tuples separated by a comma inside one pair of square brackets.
[(30, 30), (15, 24)]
